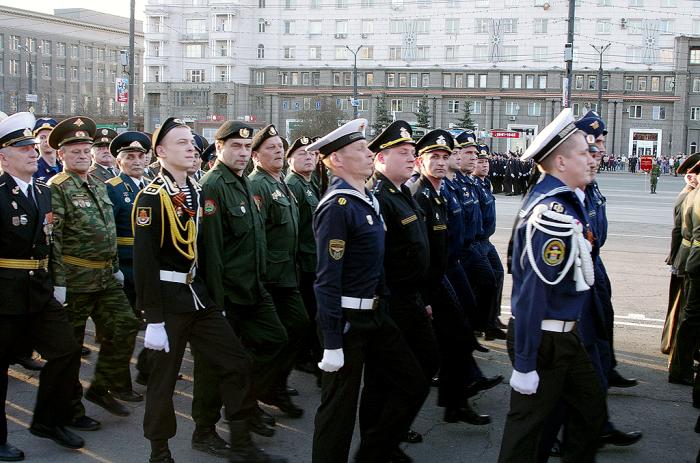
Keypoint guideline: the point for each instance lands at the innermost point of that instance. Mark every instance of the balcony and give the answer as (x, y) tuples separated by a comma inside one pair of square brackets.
[(195, 37)]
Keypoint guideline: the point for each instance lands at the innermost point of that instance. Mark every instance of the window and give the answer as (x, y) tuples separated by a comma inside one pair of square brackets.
[(452, 25), (290, 4), (88, 52), (642, 84), (509, 25), (337, 78), (390, 79), (315, 27), (666, 55), (261, 51), (592, 83), (341, 52), (61, 72), (367, 26), (394, 53), (341, 27), (481, 52), (453, 106), (315, 4), (482, 80), (46, 48), (658, 113), (367, 3), (505, 81), (540, 53), (695, 56), (606, 82), (637, 3), (305, 80), (153, 49), (604, 2), (222, 73), (222, 48), (14, 42), (475, 107), (61, 49), (482, 25), (74, 73), (510, 53), (634, 26), (364, 104), (695, 113), (289, 27), (74, 51), (194, 75), (512, 108), (578, 82), (459, 81), (603, 26), (315, 78), (635, 112), (367, 52), (542, 82), (73, 104), (668, 3), (88, 73), (195, 26), (194, 51), (14, 67), (425, 80), (696, 84), (396, 26), (634, 55), (450, 52), (295, 78), (669, 84), (447, 80), (289, 52), (422, 26), (482, 4), (315, 52), (517, 81), (655, 84), (529, 81), (2, 47), (666, 26), (539, 26), (534, 108), (696, 26), (154, 73), (471, 80), (60, 104), (629, 83), (396, 106), (341, 3), (423, 52), (369, 79)]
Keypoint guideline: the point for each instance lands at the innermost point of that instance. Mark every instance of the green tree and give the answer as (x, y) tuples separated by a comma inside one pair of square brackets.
[(317, 123), (383, 117), (466, 122), (423, 114)]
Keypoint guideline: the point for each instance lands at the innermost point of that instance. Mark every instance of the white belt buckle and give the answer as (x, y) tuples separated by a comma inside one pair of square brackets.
[(558, 326), (356, 303)]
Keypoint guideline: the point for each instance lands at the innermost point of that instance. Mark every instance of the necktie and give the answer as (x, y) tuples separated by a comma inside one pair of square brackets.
[(30, 195), (111, 171)]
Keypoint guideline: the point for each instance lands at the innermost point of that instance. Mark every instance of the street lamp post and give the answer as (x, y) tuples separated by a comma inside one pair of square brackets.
[(355, 103), (132, 57), (600, 51)]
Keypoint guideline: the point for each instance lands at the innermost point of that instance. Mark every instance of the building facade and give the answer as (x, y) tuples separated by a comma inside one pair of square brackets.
[(269, 60), (66, 64)]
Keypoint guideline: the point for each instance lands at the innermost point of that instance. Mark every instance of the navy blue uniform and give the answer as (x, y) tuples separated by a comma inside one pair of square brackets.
[(349, 235), (44, 171), (563, 366)]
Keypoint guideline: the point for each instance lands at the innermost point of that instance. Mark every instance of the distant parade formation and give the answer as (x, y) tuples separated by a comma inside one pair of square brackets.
[(367, 263)]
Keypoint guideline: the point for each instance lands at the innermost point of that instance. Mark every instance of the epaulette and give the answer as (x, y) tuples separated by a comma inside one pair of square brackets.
[(58, 178), (114, 181), (153, 188)]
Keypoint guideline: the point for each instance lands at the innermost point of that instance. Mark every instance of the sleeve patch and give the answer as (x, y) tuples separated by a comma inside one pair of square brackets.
[(553, 252), (336, 249), (143, 216), (209, 207), (342, 201)]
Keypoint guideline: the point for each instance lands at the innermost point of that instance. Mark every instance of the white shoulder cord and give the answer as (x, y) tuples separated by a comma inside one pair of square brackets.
[(580, 252)]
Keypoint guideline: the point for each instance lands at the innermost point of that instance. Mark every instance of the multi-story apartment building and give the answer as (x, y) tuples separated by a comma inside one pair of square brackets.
[(69, 61), (267, 60)]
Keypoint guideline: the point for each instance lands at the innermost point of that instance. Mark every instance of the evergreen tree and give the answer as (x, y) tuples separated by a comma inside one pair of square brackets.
[(317, 123), (465, 122), (423, 114), (383, 117)]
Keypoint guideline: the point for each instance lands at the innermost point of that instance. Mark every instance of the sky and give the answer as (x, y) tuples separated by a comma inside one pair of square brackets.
[(117, 7)]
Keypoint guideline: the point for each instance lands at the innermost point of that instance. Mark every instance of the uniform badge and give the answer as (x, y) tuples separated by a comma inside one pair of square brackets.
[(557, 207), (209, 207), (143, 216), (245, 133), (242, 209), (370, 220), (258, 201), (127, 199), (14, 205), (23, 219), (342, 201), (441, 140), (15, 221), (272, 131), (78, 122), (553, 252), (404, 133), (15, 190), (336, 248)]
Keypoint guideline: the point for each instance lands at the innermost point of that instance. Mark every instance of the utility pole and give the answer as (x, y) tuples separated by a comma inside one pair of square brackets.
[(600, 51), (569, 55), (355, 103), (132, 58)]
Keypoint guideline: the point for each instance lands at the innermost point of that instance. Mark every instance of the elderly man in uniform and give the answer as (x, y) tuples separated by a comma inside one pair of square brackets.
[(48, 165), (176, 304), (103, 162), (355, 326), (302, 165), (552, 279), (86, 269), (280, 211), (232, 259), (28, 309)]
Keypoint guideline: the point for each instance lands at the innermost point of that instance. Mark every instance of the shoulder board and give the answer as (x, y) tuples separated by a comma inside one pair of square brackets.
[(58, 179), (114, 181), (39, 182), (154, 187)]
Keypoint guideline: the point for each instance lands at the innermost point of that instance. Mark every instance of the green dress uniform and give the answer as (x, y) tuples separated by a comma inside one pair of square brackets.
[(84, 262), (232, 259), (654, 179)]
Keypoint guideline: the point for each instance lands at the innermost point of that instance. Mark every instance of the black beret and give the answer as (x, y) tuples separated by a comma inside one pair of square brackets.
[(298, 143), (233, 129), (267, 132), (169, 124)]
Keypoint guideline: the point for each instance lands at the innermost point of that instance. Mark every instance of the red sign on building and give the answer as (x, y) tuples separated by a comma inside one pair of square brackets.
[(504, 134)]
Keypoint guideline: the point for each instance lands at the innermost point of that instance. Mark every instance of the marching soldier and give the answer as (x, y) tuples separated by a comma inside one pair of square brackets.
[(355, 327), (232, 259), (551, 286), (654, 176), (86, 270), (103, 162), (27, 306), (280, 211), (175, 302), (48, 165), (302, 165)]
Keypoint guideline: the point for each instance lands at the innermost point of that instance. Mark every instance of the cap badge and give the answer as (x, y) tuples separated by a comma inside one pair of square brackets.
[(483, 152), (304, 141), (135, 144), (80, 134), (404, 133), (441, 140), (104, 132), (361, 128), (78, 122), (178, 121), (245, 133), (272, 131), (595, 125), (27, 133)]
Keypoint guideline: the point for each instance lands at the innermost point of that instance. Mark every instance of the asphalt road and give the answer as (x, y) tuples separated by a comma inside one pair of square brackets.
[(637, 245)]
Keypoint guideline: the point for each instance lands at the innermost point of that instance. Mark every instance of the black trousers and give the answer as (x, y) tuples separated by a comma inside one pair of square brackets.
[(311, 346), (209, 334), (603, 291), (51, 334), (491, 254), (566, 373), (688, 334), (374, 342), (483, 281)]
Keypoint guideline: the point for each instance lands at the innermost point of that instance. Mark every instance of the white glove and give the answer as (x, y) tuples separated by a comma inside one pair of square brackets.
[(333, 360), (156, 337), (119, 276), (59, 293), (525, 383)]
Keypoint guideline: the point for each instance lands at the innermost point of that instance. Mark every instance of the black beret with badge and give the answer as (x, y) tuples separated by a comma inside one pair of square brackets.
[(16, 130), (78, 129), (301, 142), (160, 133), (103, 137), (397, 133), (233, 129), (559, 130), (348, 133), (262, 135), (435, 140), (130, 141)]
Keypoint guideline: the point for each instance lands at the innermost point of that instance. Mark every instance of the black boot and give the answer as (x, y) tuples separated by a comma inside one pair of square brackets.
[(160, 453), (205, 439), (243, 450)]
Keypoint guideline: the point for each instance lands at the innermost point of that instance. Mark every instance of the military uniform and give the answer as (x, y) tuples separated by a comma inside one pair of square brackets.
[(279, 210), (85, 262), (44, 171), (103, 137), (654, 177), (28, 309), (349, 235)]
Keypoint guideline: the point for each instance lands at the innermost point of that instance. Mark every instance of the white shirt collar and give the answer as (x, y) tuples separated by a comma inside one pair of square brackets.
[(24, 186), (580, 195), (136, 181)]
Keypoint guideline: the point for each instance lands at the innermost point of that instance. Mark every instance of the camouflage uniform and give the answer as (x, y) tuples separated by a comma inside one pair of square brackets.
[(85, 260)]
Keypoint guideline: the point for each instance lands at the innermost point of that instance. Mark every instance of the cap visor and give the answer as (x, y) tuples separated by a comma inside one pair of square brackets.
[(28, 141)]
